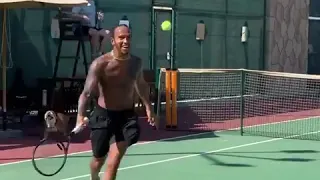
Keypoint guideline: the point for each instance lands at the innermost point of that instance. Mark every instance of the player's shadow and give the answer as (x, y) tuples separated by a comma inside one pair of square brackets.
[(296, 159), (304, 151), (217, 162), (267, 158), (213, 156), (229, 152), (209, 157)]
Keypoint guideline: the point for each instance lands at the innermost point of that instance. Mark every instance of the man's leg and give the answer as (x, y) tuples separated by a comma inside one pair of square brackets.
[(116, 152), (124, 138), (100, 146), (95, 167), (105, 34), (94, 40)]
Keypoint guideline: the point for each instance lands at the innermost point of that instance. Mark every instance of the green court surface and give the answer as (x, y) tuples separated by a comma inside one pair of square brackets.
[(221, 155)]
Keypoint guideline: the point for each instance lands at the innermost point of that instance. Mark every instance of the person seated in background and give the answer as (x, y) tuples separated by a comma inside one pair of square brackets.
[(90, 27)]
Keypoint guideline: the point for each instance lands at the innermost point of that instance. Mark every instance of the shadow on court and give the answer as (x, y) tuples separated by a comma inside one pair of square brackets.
[(215, 161), (29, 141), (213, 156), (230, 152), (267, 158), (17, 143)]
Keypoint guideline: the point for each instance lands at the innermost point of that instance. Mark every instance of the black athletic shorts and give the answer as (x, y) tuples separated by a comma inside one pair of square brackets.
[(85, 30), (108, 127)]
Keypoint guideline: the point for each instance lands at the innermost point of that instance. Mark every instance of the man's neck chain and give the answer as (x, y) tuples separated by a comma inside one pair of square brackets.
[(119, 58)]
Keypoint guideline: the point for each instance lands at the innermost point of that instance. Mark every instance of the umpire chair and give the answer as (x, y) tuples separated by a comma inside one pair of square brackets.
[(66, 34)]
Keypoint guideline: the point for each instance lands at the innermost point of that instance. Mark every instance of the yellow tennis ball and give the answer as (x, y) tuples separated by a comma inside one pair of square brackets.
[(166, 25)]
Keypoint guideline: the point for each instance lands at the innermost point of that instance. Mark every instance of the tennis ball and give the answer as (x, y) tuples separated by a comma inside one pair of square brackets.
[(166, 25)]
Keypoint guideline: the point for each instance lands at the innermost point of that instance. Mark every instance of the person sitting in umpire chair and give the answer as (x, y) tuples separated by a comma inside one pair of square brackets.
[(91, 26)]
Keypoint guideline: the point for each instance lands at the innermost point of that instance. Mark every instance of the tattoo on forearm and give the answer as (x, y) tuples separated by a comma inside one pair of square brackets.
[(82, 104), (90, 90)]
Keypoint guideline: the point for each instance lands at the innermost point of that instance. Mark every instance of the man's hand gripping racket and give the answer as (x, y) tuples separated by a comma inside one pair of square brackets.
[(81, 123)]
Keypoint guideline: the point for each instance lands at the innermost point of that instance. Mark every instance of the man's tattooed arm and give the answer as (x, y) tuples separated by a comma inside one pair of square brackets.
[(90, 89)]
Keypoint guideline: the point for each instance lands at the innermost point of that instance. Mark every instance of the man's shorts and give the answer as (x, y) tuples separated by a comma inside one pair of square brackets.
[(108, 127)]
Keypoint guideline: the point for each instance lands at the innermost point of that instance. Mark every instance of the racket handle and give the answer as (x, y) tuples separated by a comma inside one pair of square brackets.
[(80, 127)]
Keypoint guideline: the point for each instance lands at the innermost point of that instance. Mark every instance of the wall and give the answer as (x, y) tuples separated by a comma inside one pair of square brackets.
[(34, 50), (222, 47), (287, 35)]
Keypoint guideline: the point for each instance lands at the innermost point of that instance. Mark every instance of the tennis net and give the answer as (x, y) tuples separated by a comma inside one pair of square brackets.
[(262, 103)]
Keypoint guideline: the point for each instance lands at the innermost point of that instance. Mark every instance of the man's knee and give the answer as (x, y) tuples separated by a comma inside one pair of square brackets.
[(116, 152), (104, 33), (97, 163), (93, 32)]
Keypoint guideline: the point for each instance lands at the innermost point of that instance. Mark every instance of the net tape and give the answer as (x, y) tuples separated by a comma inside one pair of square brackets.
[(267, 73)]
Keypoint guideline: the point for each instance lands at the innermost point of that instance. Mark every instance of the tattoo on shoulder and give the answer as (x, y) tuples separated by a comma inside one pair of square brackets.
[(93, 76), (97, 64)]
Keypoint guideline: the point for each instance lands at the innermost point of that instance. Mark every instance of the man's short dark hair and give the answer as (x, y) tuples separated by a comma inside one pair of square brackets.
[(114, 28)]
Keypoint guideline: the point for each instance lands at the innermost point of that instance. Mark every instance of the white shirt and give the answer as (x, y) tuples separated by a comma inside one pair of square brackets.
[(88, 10)]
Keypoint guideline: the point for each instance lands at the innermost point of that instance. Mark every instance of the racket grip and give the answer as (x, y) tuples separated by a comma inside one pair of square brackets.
[(80, 127)]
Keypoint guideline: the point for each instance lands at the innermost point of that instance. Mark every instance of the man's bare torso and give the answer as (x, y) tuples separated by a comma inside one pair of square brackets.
[(117, 82)]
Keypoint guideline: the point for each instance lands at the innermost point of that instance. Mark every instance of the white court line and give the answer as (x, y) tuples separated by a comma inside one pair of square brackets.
[(82, 152), (197, 154), (167, 139)]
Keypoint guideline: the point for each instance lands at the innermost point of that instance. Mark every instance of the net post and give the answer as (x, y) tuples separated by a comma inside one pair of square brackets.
[(174, 86), (157, 89), (168, 98), (157, 106), (242, 91)]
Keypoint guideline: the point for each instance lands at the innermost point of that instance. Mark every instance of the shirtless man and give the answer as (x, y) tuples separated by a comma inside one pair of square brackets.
[(111, 82)]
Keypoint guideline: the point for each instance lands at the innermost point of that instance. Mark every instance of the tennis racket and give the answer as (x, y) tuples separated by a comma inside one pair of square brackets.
[(43, 159)]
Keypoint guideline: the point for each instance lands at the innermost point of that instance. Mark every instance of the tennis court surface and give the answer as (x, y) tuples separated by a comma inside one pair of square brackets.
[(278, 115), (207, 156)]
